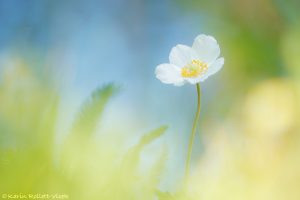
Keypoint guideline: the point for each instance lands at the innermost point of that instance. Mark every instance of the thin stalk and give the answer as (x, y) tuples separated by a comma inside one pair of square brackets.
[(193, 134)]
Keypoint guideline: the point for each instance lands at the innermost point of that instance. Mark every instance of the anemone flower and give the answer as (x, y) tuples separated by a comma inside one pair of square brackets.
[(191, 65)]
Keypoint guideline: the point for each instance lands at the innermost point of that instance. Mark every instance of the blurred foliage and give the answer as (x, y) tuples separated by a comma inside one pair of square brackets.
[(251, 127), (88, 167), (253, 153), (90, 112)]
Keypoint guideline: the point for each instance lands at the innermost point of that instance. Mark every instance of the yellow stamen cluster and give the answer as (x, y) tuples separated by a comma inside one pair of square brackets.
[(193, 69)]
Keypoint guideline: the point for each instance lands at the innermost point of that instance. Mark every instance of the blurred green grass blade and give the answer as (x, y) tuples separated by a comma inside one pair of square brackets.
[(178, 195), (164, 195), (132, 158), (128, 178), (148, 138), (91, 110)]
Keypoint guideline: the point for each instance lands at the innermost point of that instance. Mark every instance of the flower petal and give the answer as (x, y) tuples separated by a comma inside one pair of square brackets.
[(206, 47), (213, 68), (169, 74), (193, 80), (180, 55)]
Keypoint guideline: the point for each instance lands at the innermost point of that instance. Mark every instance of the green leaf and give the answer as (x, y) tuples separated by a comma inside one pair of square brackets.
[(164, 195), (91, 110), (146, 139), (132, 157)]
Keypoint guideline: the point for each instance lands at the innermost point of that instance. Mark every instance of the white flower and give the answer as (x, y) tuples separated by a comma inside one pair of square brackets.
[(191, 64)]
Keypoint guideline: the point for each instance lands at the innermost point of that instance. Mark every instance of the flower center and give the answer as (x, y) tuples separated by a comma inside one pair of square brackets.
[(193, 69)]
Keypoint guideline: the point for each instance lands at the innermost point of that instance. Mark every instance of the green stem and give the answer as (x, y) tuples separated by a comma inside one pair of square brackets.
[(193, 134)]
